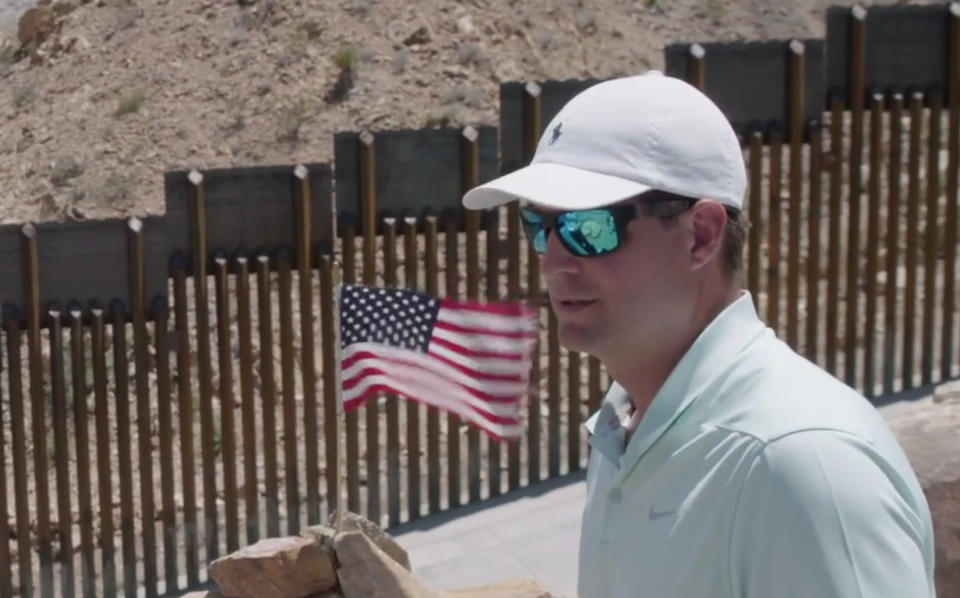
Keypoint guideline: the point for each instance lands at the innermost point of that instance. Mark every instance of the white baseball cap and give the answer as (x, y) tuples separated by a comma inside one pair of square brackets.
[(623, 137)]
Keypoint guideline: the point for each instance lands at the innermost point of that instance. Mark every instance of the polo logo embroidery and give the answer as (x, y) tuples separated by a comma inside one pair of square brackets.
[(556, 133), (654, 514)]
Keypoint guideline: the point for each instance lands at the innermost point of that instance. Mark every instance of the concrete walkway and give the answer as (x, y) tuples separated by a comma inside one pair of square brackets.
[(532, 533)]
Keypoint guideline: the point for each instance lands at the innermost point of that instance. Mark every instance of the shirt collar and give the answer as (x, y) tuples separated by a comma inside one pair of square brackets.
[(606, 426), (713, 352)]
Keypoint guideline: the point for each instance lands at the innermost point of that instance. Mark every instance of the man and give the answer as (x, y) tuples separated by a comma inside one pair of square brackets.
[(723, 463)]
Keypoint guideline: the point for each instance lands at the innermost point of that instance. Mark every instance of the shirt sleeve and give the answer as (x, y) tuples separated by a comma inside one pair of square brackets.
[(820, 515)]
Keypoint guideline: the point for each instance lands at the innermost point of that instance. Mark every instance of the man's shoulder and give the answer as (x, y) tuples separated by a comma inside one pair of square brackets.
[(848, 518), (802, 416), (774, 392)]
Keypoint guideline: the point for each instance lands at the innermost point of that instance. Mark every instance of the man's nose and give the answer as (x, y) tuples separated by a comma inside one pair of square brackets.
[(557, 259)]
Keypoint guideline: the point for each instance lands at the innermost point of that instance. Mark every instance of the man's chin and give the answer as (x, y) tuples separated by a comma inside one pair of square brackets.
[(576, 338)]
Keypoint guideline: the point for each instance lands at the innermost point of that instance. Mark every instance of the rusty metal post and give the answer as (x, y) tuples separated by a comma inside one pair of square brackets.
[(815, 134), (948, 348), (873, 242), (775, 225), (696, 66), (491, 226), (331, 397), (368, 209), (31, 270), (433, 415), (268, 396), (892, 245), (553, 395), (303, 199), (532, 128), (118, 315), (392, 408), (452, 290), (856, 101), (797, 110), (291, 462), (248, 409), (755, 208), (913, 224), (833, 243), (351, 419), (930, 237), (78, 375), (135, 261), (470, 178), (198, 243), (412, 275), (61, 450)]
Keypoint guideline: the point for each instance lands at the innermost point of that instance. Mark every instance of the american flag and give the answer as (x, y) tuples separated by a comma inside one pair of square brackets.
[(472, 359)]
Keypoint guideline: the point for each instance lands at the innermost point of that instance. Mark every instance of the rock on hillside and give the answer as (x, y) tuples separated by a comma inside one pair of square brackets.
[(122, 91)]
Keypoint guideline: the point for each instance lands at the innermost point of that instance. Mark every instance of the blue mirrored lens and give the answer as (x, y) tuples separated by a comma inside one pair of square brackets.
[(588, 232), (534, 229), (531, 217), (540, 241), (583, 233)]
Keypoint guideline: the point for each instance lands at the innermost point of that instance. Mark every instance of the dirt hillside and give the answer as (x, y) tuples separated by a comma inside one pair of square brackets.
[(112, 93)]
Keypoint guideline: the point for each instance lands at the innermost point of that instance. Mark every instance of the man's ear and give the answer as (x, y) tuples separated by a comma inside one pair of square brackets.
[(708, 219)]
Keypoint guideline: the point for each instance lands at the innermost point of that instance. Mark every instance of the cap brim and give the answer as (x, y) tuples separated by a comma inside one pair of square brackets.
[(554, 186)]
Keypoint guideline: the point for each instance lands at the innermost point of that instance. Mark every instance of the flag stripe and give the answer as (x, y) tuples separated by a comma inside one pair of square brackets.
[(485, 375), (493, 344), (512, 369), (383, 384), (518, 355), (457, 373), (478, 320), (412, 389), (506, 308), (359, 356), (430, 387), (478, 330), (483, 401)]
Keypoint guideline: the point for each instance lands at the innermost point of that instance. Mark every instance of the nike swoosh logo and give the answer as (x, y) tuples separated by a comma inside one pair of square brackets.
[(654, 514)]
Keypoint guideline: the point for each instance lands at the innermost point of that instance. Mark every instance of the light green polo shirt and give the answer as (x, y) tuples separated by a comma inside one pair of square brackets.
[(752, 474)]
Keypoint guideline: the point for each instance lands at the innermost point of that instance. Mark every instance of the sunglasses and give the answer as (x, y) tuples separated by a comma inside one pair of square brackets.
[(584, 233)]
